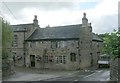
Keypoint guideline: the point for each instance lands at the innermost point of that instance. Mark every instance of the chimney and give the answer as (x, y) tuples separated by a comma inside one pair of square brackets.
[(35, 21), (48, 26), (84, 20)]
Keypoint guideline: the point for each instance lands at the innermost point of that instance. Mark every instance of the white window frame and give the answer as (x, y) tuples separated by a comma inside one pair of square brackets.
[(61, 59)]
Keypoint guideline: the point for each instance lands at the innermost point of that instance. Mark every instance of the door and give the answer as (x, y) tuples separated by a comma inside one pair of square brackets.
[(32, 60), (91, 59)]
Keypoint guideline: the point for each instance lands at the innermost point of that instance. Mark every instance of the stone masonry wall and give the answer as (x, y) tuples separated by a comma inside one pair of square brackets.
[(38, 50), (18, 51), (115, 70), (85, 43), (7, 67), (96, 51)]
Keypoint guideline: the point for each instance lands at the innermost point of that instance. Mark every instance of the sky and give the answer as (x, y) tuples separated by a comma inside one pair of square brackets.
[(103, 14)]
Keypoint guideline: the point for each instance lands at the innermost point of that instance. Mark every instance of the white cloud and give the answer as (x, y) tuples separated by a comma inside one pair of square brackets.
[(52, 0), (103, 16), (60, 17)]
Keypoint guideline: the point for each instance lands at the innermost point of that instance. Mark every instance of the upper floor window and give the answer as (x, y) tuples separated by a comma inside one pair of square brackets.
[(15, 42), (55, 44), (63, 44), (58, 44), (97, 45), (32, 44)]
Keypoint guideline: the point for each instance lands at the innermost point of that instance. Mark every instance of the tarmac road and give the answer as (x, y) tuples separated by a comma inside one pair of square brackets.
[(96, 75), (62, 76)]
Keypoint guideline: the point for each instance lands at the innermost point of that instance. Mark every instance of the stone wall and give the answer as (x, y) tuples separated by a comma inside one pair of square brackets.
[(85, 46), (18, 51), (96, 51), (115, 70), (81, 47), (37, 49), (7, 67)]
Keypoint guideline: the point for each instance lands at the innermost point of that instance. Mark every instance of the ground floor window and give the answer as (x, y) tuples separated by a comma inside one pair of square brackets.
[(61, 59), (73, 57), (45, 58)]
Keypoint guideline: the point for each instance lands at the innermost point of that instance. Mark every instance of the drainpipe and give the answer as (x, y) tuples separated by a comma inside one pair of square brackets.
[(24, 47), (79, 51)]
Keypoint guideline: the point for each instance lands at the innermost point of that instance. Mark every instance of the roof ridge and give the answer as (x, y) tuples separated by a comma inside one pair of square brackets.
[(65, 25), (22, 24)]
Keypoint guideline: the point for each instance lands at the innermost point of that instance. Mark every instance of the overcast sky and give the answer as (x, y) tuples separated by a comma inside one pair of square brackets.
[(103, 14)]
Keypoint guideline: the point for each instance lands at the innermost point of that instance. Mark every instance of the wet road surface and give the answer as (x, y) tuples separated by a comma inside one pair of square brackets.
[(96, 75), (79, 75)]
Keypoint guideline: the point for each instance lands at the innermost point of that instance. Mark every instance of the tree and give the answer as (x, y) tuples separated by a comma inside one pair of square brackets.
[(7, 39), (111, 43), (119, 42)]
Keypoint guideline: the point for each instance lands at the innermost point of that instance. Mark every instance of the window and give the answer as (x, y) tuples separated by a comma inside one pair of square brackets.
[(97, 45), (42, 42), (36, 43), (63, 44), (55, 44), (39, 42), (32, 44), (45, 59), (15, 43), (72, 44), (72, 57), (57, 59), (61, 59), (64, 59), (58, 44), (50, 58)]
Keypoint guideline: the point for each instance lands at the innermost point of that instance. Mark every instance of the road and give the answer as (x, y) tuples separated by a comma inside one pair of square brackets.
[(71, 76), (96, 75)]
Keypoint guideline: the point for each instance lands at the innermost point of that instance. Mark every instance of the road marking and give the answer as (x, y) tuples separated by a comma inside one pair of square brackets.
[(99, 71), (75, 80), (69, 74), (89, 75)]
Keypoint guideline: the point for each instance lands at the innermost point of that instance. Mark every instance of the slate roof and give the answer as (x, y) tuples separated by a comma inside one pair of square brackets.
[(59, 32), (96, 38), (21, 27)]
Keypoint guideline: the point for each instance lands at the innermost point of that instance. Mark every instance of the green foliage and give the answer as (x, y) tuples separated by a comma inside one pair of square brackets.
[(7, 39), (111, 43), (118, 42)]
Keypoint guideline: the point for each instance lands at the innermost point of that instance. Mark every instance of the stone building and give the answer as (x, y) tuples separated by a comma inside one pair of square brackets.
[(67, 47)]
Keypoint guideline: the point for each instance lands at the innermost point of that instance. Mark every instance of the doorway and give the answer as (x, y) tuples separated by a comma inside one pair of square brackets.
[(91, 59), (32, 60)]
